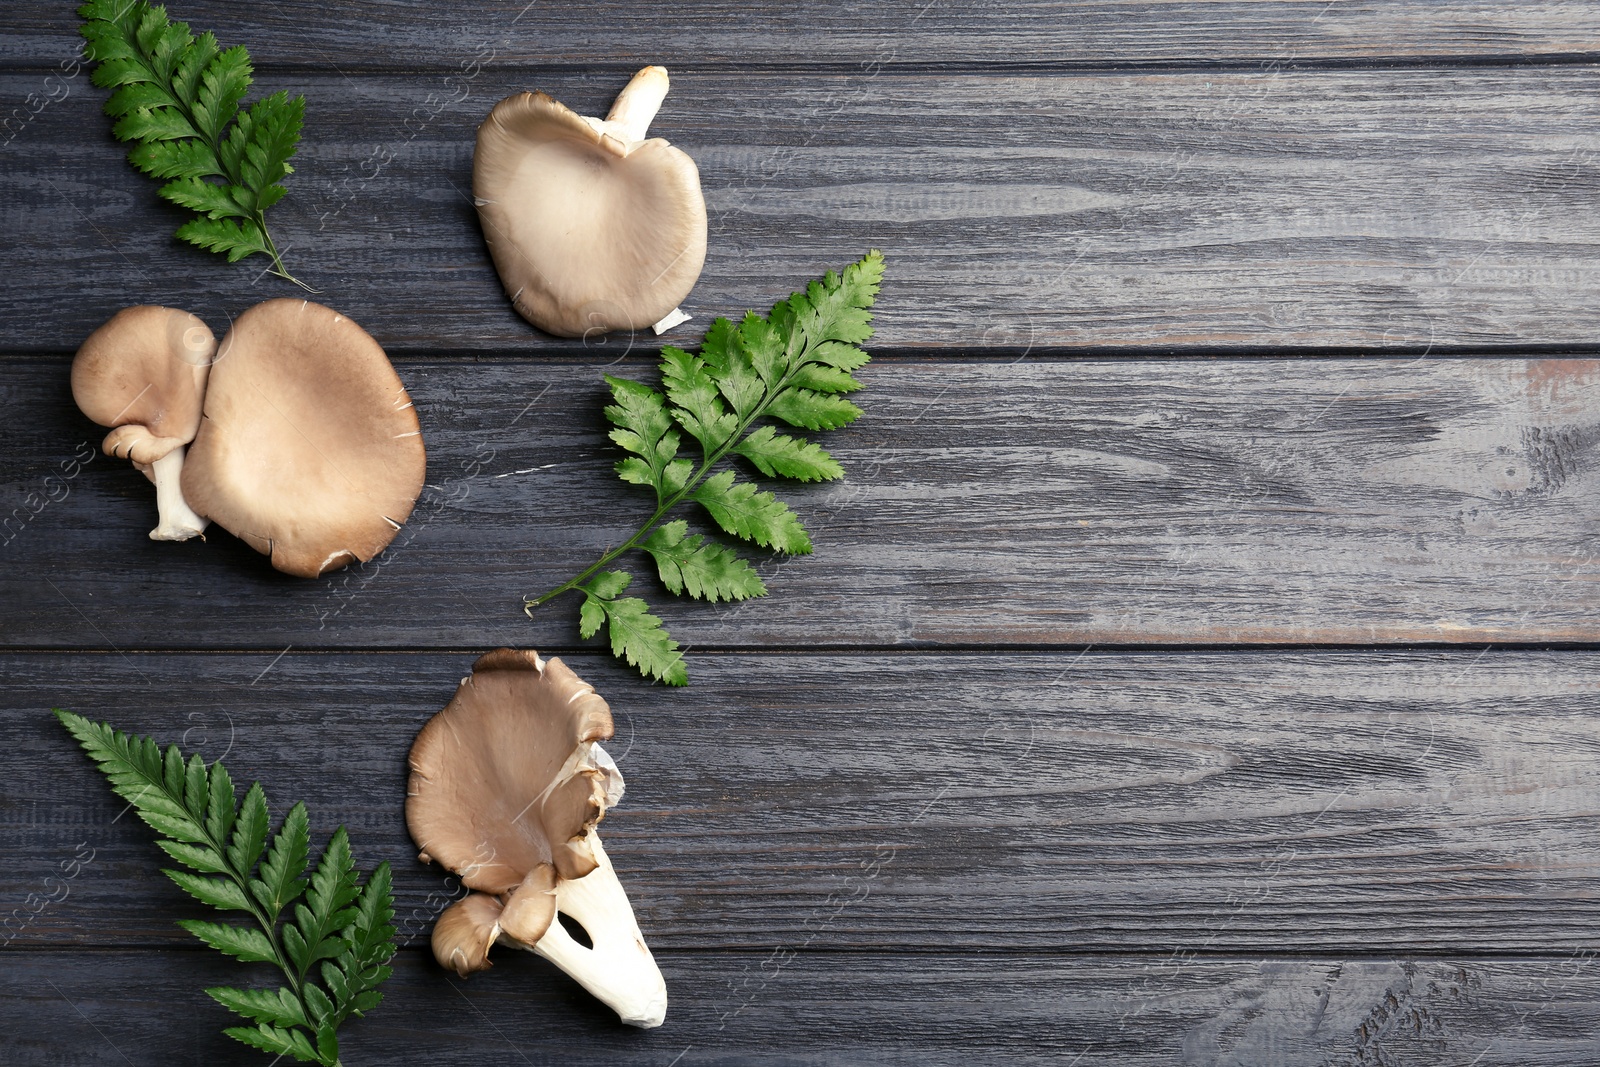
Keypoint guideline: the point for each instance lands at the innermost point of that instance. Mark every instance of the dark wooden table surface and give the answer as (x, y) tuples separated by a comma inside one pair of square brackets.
[(1197, 666)]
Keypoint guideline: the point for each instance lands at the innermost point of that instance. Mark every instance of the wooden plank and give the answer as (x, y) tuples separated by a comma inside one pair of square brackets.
[(708, 33), (87, 1007), (1343, 803), (1275, 501), (1199, 211)]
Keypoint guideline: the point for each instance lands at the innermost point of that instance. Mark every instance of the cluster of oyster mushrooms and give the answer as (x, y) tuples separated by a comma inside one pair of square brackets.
[(294, 433), (508, 783)]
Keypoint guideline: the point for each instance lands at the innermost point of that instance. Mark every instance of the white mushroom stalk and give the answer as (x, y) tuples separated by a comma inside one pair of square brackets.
[(617, 968), (176, 520), (635, 107), (507, 786)]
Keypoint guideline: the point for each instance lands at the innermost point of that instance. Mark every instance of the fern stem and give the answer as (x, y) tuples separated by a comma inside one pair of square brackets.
[(277, 260), (716, 456)]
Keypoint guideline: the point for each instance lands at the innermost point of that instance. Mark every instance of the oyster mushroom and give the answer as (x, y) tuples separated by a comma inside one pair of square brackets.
[(592, 226), (144, 374), (507, 785), (310, 449)]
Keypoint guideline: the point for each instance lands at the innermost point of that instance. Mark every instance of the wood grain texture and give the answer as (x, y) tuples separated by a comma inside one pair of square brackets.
[(1194, 211), (1363, 803), (901, 817), (840, 1010), (704, 33), (1274, 501)]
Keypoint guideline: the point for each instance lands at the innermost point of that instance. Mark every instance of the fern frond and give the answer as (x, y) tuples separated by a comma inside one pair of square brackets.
[(344, 924), (792, 365), (177, 99)]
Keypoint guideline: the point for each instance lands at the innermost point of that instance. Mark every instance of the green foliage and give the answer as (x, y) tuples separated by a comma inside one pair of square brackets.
[(177, 98), (331, 936), (791, 365)]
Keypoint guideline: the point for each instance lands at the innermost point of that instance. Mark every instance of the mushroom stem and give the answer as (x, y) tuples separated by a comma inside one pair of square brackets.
[(178, 521), (619, 968), (637, 104)]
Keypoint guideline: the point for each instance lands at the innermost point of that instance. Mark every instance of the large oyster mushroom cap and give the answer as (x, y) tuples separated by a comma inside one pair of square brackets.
[(309, 450), (498, 787), (591, 226)]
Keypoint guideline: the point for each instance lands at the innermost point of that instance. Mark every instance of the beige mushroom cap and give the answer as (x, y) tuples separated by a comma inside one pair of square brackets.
[(499, 783), (144, 374), (589, 230), (310, 450), (464, 932)]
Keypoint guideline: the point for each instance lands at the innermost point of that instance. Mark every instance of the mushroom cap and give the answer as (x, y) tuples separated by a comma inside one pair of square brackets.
[(503, 790), (310, 449), (143, 374), (588, 233), (465, 931)]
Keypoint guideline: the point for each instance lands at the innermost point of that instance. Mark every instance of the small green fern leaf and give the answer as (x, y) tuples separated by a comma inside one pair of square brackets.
[(178, 100)]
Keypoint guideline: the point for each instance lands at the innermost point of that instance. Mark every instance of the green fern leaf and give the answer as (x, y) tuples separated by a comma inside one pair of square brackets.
[(236, 238), (154, 124), (370, 934), (281, 881), (278, 1042), (177, 99), (703, 569), (189, 74), (794, 365), (608, 585), (208, 198), (320, 1007), (591, 617), (639, 637), (221, 812), (250, 828), (697, 403), (221, 893), (279, 1007), (194, 807), (136, 95), (242, 943), (173, 159), (813, 411), (195, 857), (840, 356), (742, 510), (821, 378), (776, 454), (216, 82), (327, 908), (355, 974)]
